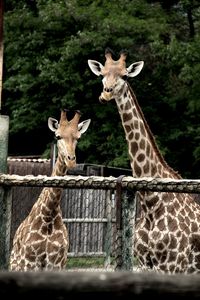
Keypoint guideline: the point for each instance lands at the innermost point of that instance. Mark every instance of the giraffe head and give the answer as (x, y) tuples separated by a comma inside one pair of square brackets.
[(114, 74), (67, 134)]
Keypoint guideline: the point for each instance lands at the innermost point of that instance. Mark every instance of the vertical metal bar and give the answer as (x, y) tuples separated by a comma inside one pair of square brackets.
[(125, 217), (85, 225), (5, 225), (108, 235), (119, 202), (118, 243), (4, 130), (5, 218), (53, 156)]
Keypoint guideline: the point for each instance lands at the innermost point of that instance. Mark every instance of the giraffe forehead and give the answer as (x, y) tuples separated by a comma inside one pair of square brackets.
[(67, 130), (114, 69)]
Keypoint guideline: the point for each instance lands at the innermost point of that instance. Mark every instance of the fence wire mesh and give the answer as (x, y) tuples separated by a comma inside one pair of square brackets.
[(106, 225), (90, 219)]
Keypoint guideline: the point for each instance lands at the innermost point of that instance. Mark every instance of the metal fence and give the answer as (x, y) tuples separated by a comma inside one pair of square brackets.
[(90, 218), (89, 214), (99, 214)]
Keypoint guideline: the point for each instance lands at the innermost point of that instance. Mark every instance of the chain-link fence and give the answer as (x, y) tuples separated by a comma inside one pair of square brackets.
[(90, 216), (100, 214)]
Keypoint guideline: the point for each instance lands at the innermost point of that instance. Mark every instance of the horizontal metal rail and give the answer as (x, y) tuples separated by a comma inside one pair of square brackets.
[(86, 254), (87, 220), (98, 182)]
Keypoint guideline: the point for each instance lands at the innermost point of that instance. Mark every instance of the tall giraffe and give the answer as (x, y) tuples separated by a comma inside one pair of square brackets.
[(167, 234), (41, 241)]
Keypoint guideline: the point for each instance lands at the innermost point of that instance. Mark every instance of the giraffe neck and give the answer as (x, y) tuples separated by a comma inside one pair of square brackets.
[(49, 199), (60, 168), (145, 157)]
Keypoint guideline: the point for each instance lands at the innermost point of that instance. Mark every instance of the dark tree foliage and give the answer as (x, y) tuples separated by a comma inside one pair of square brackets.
[(165, 4), (46, 47)]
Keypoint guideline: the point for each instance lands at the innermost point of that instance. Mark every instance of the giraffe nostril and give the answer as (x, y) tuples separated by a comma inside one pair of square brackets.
[(108, 90), (71, 157)]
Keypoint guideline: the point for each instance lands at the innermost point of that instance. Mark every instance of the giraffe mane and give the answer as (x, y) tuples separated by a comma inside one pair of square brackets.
[(152, 138)]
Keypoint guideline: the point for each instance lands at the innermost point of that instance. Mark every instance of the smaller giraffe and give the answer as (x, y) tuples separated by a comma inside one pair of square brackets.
[(41, 241)]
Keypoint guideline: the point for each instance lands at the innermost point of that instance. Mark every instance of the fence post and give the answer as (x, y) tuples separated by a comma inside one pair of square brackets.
[(5, 226), (5, 195), (4, 129), (125, 219)]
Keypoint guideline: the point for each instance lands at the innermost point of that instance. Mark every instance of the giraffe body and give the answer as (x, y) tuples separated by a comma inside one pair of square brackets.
[(167, 234), (41, 241)]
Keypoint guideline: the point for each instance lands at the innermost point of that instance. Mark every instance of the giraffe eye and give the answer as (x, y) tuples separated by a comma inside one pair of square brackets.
[(124, 77), (58, 137)]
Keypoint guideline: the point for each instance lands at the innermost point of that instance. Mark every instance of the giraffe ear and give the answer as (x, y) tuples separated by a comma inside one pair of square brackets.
[(53, 124), (134, 69), (95, 66), (83, 126)]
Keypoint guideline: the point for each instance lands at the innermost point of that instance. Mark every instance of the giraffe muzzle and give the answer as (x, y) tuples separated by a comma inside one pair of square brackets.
[(105, 97), (71, 164), (70, 161)]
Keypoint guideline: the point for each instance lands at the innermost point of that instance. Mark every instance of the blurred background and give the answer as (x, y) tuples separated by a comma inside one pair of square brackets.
[(46, 47)]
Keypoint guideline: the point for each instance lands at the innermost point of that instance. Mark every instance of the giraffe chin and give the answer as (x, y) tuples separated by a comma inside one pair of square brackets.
[(102, 101), (105, 97)]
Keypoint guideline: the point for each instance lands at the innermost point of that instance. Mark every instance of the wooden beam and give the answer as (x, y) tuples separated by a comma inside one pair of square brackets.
[(88, 285)]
